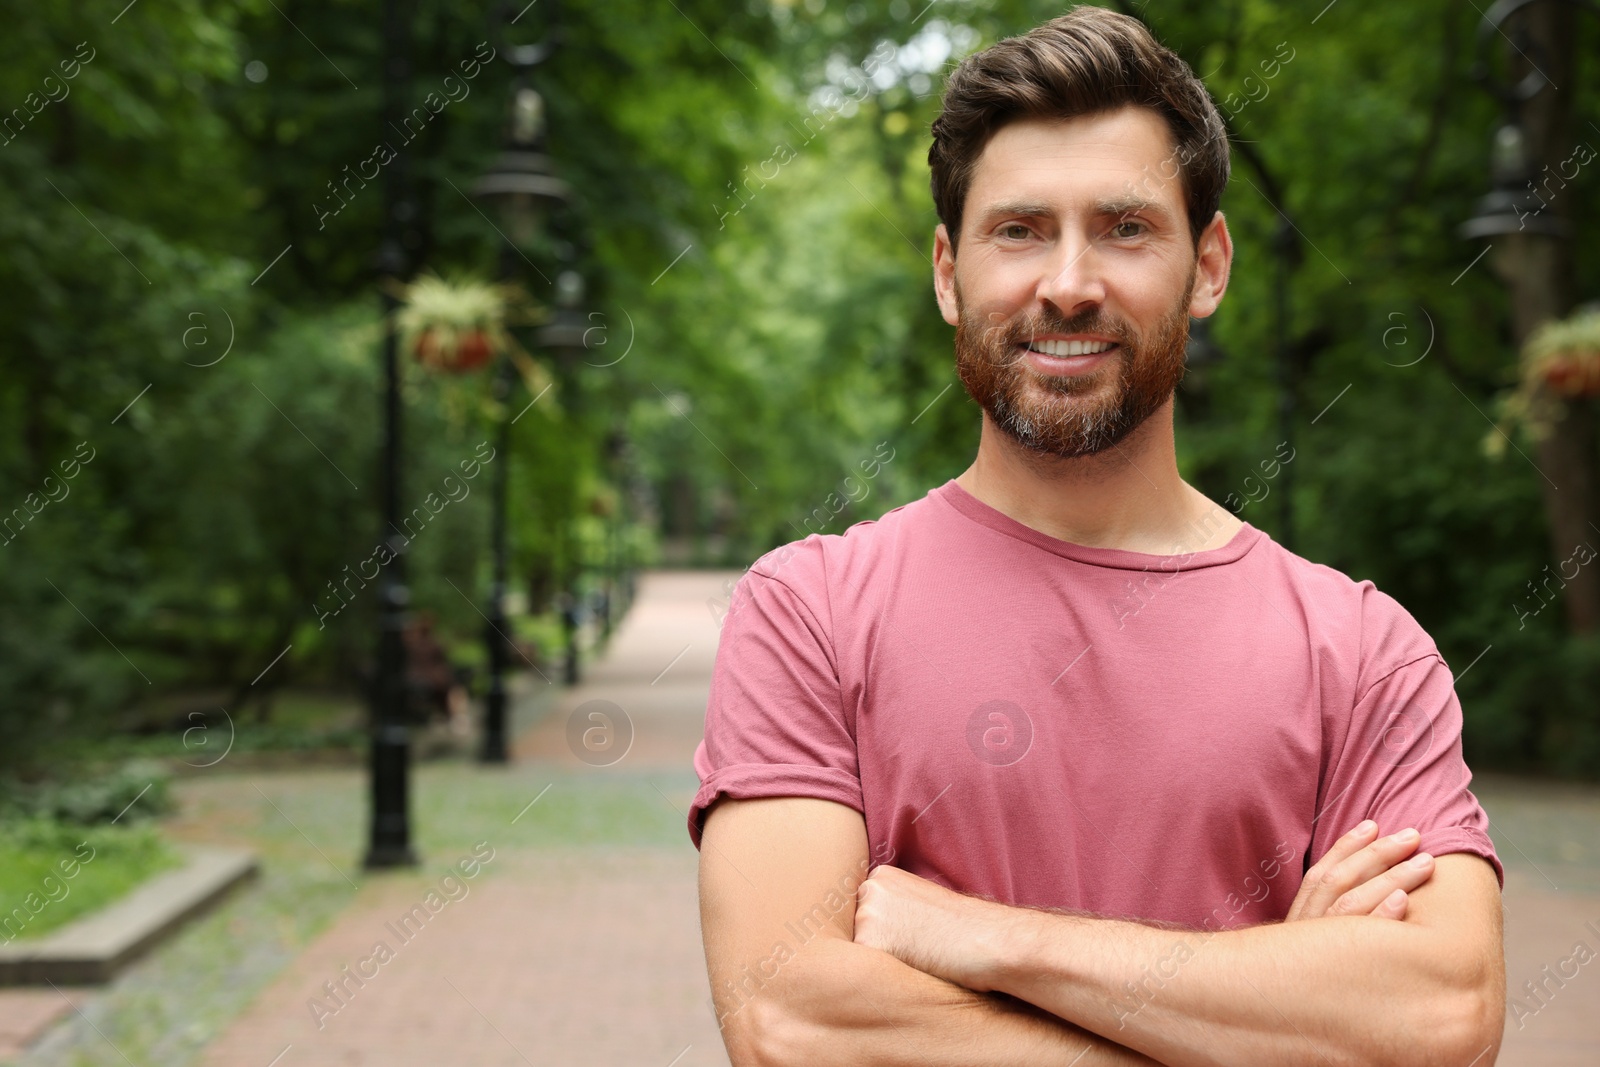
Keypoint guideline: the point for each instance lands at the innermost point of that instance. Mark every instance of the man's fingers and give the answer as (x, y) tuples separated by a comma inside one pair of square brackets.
[(1345, 868), (1368, 863), (1379, 896), (1342, 849), (1350, 843), (1394, 905)]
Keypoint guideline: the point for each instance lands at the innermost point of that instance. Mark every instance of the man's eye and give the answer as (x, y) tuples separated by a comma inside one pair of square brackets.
[(1016, 231), (1127, 228)]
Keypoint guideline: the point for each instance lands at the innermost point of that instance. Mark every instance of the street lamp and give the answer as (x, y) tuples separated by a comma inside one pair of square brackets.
[(520, 184), (566, 335), (520, 187), (1511, 209), (616, 453), (389, 838), (566, 338)]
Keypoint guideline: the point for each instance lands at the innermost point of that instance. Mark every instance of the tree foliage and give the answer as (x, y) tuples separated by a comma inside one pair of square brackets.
[(751, 214)]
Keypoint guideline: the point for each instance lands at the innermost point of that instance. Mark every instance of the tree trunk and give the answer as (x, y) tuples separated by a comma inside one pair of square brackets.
[(1538, 269)]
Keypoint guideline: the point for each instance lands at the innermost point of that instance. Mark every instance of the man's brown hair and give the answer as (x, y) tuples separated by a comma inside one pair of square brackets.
[(1084, 62)]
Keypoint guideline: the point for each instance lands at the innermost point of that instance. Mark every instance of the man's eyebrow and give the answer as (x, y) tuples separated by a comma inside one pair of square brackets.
[(1114, 207), (1028, 209), (1131, 205)]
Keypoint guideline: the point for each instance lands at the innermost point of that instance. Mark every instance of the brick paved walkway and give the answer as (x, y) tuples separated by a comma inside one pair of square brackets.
[(1548, 836), (583, 957), (580, 955), (1560, 1026)]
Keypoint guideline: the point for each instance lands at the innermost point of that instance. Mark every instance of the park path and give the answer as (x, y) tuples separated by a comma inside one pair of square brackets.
[(1548, 837), (569, 955), (593, 955)]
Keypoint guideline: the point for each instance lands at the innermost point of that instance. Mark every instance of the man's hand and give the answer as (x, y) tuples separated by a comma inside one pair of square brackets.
[(1152, 991), (1363, 874), (778, 880), (925, 925), (932, 928)]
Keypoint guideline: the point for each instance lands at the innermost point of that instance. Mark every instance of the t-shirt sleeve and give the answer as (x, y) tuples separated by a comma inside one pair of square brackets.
[(775, 721), (1400, 765)]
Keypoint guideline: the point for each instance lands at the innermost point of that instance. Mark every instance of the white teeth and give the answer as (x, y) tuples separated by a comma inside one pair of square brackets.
[(1071, 348)]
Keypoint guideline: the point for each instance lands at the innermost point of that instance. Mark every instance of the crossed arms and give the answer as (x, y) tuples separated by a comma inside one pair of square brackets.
[(899, 970)]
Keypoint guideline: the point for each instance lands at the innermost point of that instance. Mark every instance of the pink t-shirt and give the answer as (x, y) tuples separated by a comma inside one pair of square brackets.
[(1173, 738)]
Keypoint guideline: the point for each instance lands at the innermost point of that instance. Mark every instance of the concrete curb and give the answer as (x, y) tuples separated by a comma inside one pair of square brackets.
[(94, 948)]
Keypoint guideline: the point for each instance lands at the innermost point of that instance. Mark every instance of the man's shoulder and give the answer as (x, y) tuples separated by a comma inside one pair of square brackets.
[(1374, 629), (807, 563)]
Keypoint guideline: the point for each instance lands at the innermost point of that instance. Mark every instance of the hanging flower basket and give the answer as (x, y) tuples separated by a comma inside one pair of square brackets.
[(454, 326), (454, 351), (1565, 356), (1559, 364)]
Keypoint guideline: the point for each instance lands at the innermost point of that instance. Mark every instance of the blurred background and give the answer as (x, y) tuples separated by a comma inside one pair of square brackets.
[(366, 362)]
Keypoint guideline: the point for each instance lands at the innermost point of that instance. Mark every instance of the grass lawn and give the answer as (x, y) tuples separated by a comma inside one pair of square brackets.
[(53, 872)]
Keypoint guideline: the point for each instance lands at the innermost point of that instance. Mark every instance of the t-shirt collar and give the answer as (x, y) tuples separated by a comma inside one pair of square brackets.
[(1246, 538)]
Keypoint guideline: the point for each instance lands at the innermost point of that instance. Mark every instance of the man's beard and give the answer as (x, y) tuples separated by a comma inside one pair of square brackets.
[(1068, 421)]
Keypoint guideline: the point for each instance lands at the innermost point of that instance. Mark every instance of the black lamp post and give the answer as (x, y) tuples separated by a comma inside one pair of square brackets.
[(565, 337), (520, 186), (616, 458), (1511, 210), (389, 840), (496, 638)]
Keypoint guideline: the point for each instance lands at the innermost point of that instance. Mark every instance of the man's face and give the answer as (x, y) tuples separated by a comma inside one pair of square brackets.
[(1076, 279)]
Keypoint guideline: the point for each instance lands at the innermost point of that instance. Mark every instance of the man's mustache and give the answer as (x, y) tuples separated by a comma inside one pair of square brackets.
[(1007, 337)]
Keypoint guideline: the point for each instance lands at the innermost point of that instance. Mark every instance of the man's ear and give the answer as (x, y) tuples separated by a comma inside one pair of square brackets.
[(1213, 262), (944, 274)]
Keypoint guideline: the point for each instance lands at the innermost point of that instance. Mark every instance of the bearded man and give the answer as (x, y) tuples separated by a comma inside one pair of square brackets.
[(1063, 763)]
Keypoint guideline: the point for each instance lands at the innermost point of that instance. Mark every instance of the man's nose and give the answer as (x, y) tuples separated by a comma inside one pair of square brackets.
[(1072, 280)]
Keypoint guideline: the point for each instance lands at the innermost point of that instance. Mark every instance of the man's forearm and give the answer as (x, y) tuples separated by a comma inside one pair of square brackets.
[(840, 1003), (1341, 990)]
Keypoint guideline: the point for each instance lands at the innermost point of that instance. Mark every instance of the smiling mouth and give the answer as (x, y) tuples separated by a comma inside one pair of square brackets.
[(1062, 349)]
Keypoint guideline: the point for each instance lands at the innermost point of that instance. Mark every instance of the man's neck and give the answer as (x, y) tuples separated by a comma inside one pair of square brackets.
[(1129, 497)]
